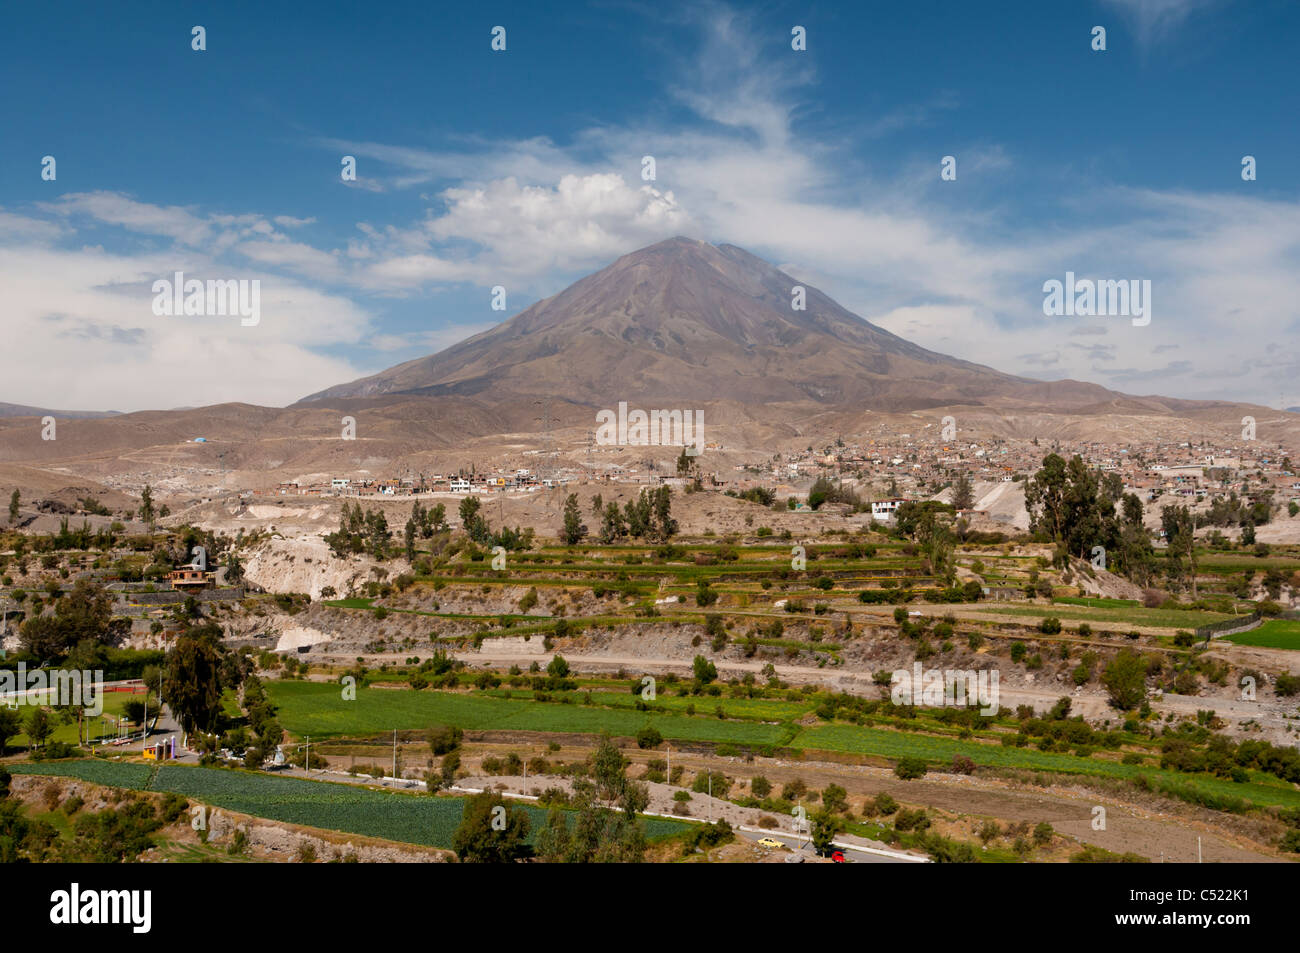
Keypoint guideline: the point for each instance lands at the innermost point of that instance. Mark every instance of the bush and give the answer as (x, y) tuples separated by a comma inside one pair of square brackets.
[(794, 790), (649, 737), (962, 764), (1050, 626), (884, 805), (916, 820), (909, 769), (444, 739)]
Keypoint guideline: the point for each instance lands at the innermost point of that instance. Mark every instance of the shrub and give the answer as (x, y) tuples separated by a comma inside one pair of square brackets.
[(444, 739), (649, 737), (962, 764), (909, 769), (884, 804)]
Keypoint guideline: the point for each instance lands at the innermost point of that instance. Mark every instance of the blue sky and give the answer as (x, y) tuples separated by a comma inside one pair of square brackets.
[(522, 169)]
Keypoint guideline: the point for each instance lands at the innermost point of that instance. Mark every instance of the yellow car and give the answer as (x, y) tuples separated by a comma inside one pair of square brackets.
[(769, 842)]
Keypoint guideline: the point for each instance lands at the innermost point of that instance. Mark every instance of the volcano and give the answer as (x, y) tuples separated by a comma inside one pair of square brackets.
[(684, 321)]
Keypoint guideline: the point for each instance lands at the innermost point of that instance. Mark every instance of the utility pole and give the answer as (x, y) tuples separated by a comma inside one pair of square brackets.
[(548, 441), (306, 761), (394, 752)]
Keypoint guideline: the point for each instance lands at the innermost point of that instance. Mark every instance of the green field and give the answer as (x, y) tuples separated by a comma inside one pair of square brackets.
[(1154, 618), (1273, 634), (1096, 602), (409, 818), (318, 709), (113, 774), (114, 705), (1262, 789)]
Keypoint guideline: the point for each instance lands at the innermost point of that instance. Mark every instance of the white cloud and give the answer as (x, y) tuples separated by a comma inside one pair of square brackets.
[(113, 208), (91, 340), (1156, 18)]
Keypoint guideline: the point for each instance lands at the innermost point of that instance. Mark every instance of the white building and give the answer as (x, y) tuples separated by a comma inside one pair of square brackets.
[(885, 509)]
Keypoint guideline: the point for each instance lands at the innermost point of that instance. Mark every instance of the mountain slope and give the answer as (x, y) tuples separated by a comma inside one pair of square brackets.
[(683, 321)]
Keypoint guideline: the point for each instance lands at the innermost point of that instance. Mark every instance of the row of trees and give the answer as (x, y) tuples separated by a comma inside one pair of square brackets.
[(649, 516), (480, 531), (82, 615), (1080, 508), (603, 829), (361, 532)]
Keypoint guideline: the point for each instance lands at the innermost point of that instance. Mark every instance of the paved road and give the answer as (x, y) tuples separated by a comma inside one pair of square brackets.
[(800, 847)]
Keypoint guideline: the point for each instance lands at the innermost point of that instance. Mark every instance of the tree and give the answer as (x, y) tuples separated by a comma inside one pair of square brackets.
[(574, 528), (705, 671), (553, 839), (835, 798), (9, 726), (963, 493), (13, 508), (1180, 533), (605, 829), (612, 785), (408, 539), (490, 831), (1045, 497), (909, 769), (649, 737), (444, 739), (937, 544), (470, 519), (192, 682), (1125, 679), (435, 520), (665, 525), (819, 492), (558, 667), (38, 726), (235, 569), (825, 826), (611, 523), (147, 514), (85, 614)]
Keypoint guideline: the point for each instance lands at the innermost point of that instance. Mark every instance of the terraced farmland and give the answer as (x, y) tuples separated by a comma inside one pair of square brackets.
[(1273, 634), (409, 818), (312, 708)]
